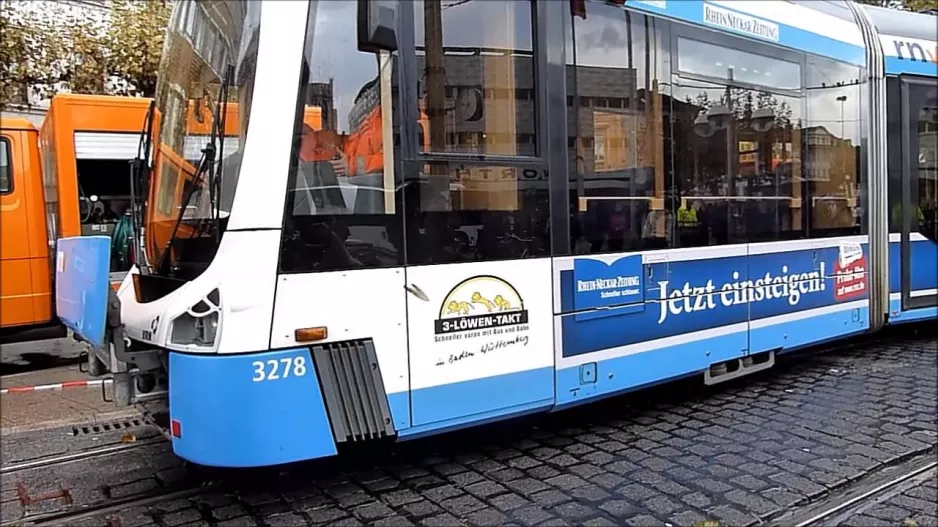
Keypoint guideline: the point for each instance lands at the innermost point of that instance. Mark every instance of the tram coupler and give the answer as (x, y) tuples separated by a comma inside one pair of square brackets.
[(128, 365)]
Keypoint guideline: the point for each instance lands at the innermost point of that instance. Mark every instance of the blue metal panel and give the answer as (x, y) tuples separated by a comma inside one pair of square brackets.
[(481, 398), (399, 403), (82, 285), (692, 11), (230, 420), (457, 423), (814, 329), (642, 368), (657, 320), (923, 255), (897, 316), (897, 66)]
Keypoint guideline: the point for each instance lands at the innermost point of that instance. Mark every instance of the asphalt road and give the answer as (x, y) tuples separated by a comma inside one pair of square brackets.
[(750, 452), (37, 355)]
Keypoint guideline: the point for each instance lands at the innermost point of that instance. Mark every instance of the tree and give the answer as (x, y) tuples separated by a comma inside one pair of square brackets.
[(49, 47), (135, 41), (910, 5)]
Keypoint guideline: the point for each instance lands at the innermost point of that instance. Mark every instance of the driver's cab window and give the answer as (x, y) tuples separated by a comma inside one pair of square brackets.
[(341, 208)]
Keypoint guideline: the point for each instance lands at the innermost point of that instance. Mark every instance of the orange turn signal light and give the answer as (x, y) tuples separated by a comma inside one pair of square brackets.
[(311, 334)]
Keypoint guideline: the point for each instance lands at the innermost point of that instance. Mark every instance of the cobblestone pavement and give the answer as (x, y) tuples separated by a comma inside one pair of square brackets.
[(737, 454)]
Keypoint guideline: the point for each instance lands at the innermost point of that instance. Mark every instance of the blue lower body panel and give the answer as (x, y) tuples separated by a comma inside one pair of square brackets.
[(815, 327), (248, 410), (898, 316), (451, 406), (634, 370)]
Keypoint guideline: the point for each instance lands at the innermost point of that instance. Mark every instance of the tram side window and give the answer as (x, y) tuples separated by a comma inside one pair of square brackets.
[(832, 201), (921, 167), (477, 85), (616, 111), (6, 179), (894, 153), (736, 118), (921, 129), (341, 209), (475, 76)]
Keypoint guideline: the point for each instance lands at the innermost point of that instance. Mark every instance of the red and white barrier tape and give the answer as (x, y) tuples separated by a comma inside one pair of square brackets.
[(57, 386)]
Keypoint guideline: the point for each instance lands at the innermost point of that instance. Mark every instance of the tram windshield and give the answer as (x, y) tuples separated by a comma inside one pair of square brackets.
[(206, 79)]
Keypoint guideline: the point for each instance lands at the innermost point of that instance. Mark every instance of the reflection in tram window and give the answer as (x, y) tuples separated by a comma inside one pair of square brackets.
[(476, 85), (466, 213), (926, 192), (832, 149), (737, 172), (475, 64), (616, 149), (206, 81), (922, 130), (340, 210)]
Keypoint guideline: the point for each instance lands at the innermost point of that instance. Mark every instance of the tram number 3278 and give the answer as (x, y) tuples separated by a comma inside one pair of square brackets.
[(273, 369)]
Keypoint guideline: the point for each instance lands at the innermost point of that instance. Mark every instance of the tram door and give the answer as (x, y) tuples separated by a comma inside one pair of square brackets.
[(919, 227), (478, 274)]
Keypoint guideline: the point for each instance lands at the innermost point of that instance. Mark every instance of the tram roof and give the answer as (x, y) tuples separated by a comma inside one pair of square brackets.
[(908, 40), (904, 23)]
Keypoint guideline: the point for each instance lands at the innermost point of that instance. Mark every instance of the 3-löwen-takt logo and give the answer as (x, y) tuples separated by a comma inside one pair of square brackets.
[(479, 303)]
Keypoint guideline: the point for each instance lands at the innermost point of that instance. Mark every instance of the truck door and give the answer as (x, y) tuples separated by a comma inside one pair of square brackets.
[(16, 294)]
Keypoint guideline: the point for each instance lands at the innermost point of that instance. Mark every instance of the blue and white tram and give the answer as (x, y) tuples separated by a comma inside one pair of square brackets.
[(509, 207)]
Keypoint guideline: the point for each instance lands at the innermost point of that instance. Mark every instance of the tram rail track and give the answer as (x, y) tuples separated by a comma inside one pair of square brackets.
[(62, 459), (95, 510), (867, 493)]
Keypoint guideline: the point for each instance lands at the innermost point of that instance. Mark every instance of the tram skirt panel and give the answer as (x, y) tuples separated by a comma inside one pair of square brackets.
[(248, 410)]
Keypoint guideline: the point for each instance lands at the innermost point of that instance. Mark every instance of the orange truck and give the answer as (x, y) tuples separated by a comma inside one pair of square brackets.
[(71, 177), (68, 178)]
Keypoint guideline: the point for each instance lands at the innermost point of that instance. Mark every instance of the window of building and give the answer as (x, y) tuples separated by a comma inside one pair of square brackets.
[(617, 107), (476, 82), (6, 171)]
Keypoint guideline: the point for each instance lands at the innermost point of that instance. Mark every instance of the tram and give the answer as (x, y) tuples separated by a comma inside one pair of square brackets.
[(524, 206)]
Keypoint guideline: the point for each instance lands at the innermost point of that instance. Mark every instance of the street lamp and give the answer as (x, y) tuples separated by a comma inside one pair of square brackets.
[(842, 99)]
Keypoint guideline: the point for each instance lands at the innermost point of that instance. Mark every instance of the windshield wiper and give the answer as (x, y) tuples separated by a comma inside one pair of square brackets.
[(139, 179), (206, 166), (215, 180)]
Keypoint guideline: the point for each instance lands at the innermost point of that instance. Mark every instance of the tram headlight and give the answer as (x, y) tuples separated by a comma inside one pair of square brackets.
[(197, 326)]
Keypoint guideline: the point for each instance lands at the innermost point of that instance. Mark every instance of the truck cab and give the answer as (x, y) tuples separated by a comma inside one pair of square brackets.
[(25, 275), (68, 178)]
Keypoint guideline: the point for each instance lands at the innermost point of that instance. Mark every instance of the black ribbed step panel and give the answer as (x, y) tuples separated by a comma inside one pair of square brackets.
[(353, 390)]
